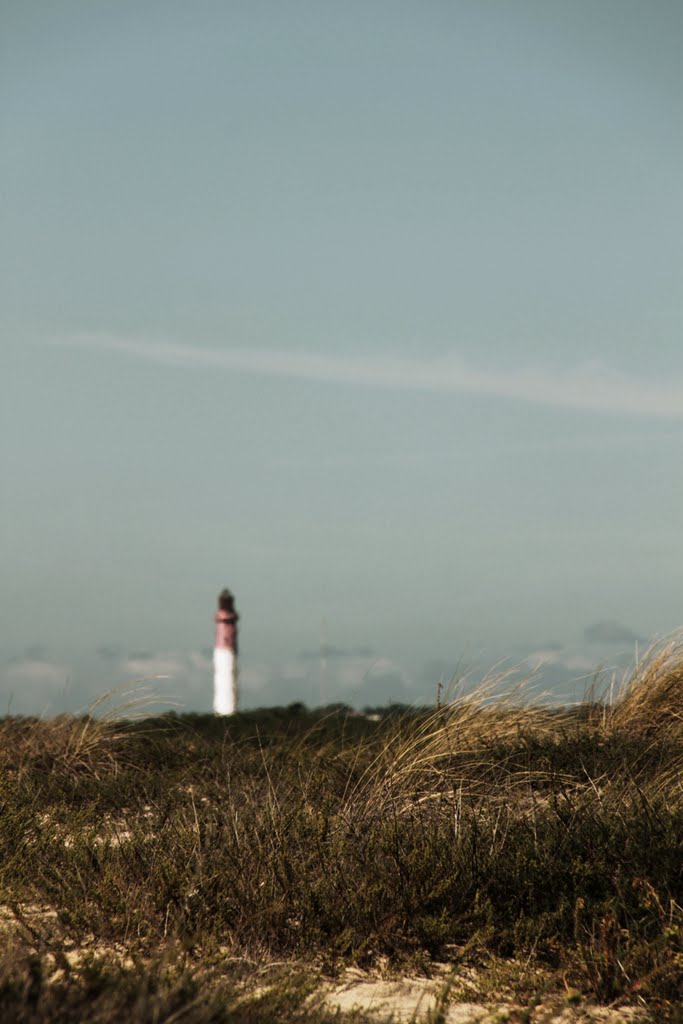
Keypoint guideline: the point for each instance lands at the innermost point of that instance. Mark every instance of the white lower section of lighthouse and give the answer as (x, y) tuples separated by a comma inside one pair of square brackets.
[(224, 681)]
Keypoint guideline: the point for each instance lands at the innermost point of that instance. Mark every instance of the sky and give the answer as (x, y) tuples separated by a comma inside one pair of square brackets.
[(368, 311)]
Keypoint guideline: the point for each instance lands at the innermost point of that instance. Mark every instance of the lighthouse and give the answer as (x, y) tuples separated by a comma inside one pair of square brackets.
[(225, 694)]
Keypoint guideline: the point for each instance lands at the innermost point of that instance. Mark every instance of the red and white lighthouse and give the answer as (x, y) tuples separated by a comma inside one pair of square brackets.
[(225, 693)]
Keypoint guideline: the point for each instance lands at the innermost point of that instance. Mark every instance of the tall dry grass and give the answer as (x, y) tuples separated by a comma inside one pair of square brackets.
[(650, 700), (490, 825)]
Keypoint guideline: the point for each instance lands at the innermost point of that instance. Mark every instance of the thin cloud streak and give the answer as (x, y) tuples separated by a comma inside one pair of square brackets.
[(590, 386)]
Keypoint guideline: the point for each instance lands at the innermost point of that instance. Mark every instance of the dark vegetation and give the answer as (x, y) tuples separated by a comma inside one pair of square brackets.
[(162, 869)]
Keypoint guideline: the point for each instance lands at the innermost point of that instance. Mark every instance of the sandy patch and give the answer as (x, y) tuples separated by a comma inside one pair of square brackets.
[(403, 999), (419, 1000)]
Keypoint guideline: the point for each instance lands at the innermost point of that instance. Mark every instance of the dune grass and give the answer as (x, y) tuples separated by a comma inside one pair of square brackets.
[(150, 869)]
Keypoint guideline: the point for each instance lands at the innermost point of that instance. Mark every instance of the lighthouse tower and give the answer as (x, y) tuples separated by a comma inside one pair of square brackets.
[(225, 693)]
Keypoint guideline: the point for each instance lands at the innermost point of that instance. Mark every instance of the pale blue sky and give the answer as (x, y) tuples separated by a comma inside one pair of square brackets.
[(370, 311)]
